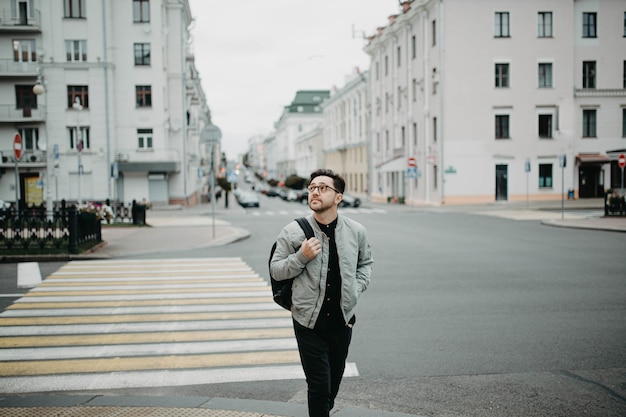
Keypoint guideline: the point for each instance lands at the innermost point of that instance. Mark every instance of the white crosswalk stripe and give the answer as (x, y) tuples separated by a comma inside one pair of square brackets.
[(146, 323)]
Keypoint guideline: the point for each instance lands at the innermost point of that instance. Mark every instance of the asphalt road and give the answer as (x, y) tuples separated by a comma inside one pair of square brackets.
[(466, 315)]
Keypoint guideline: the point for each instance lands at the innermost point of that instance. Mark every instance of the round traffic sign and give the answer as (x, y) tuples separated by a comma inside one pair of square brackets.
[(412, 162), (621, 161), (17, 146)]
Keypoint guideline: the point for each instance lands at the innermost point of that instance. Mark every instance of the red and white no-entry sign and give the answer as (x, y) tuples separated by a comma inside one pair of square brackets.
[(17, 146), (621, 161), (412, 162)]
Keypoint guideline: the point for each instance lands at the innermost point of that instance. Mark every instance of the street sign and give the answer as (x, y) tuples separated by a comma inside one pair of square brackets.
[(412, 162), (621, 161), (17, 146), (56, 151), (562, 160)]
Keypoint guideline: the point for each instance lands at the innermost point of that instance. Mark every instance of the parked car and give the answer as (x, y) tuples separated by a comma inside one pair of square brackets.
[(248, 199), (292, 195), (350, 201)]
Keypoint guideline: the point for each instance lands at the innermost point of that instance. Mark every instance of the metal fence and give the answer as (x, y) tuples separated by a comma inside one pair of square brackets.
[(36, 231), (614, 204)]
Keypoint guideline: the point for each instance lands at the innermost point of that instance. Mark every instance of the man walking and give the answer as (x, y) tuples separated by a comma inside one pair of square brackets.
[(331, 270)]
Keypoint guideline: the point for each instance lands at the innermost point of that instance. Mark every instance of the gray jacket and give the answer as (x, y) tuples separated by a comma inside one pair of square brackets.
[(355, 266)]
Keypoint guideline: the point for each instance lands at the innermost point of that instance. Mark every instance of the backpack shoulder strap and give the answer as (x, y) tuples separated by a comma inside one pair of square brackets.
[(306, 226)]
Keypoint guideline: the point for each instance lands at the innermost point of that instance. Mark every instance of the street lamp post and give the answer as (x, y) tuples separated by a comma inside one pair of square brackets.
[(211, 135), (79, 142), (39, 89)]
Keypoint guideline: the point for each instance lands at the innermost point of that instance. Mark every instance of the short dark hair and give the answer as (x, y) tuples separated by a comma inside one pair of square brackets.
[(338, 182)]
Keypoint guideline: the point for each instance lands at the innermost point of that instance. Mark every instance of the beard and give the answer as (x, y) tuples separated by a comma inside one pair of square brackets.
[(320, 206)]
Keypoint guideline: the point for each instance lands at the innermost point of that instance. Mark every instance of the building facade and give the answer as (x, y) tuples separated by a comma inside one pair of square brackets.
[(346, 133), (303, 115), (486, 101), (118, 107)]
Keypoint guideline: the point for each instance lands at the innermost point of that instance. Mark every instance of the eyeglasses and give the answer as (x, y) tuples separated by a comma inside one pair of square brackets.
[(322, 188)]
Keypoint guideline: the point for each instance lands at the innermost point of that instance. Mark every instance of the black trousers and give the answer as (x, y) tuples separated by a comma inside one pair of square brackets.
[(323, 355)]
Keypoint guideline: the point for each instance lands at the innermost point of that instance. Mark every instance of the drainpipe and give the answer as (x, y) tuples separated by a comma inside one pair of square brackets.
[(106, 99), (440, 119), (426, 83), (183, 97), (409, 94)]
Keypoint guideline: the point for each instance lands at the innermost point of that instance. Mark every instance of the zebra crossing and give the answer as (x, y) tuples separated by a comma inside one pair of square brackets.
[(306, 212), (146, 323)]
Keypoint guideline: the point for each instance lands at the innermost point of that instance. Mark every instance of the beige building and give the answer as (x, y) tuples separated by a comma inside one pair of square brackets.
[(118, 108), (482, 101), (346, 133)]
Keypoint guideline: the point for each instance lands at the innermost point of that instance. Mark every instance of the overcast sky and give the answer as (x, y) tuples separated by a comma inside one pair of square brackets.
[(253, 55)]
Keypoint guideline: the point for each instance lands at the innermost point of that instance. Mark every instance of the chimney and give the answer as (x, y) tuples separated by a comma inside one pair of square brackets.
[(392, 19), (406, 6)]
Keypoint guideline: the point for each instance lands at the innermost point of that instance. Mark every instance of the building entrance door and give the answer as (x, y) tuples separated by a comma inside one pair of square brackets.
[(502, 182), (590, 181)]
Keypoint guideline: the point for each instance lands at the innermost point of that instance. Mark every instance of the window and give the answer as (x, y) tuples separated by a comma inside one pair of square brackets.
[(624, 76), (502, 126), (624, 122), (74, 8), (386, 65), (589, 25), (83, 138), (30, 138), (24, 50), (434, 32), (544, 24), (76, 50), (143, 95), (434, 130), (501, 29), (589, 74), (142, 54), (625, 24), (141, 11), (377, 70), (589, 123), (80, 91), (502, 75), (25, 98), (414, 136), (545, 175), (545, 75), (399, 56), (144, 138), (545, 126), (414, 44)]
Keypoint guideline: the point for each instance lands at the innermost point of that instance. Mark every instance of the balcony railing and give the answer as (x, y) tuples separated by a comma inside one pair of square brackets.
[(8, 113), (600, 92), (8, 67), (147, 155), (9, 20), (31, 158)]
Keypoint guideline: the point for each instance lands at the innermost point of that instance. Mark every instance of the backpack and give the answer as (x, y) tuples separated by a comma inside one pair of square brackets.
[(281, 290)]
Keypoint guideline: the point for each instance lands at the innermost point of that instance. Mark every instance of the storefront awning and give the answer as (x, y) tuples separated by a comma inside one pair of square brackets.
[(592, 158), (395, 165)]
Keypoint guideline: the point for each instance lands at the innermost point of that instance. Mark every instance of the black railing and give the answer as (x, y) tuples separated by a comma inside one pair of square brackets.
[(36, 231), (614, 204)]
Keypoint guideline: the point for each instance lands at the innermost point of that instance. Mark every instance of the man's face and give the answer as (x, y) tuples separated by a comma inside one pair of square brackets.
[(323, 200)]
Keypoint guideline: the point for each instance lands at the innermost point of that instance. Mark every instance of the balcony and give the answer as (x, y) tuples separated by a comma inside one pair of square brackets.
[(600, 92), (148, 160), (10, 114), (19, 22), (10, 68), (30, 159)]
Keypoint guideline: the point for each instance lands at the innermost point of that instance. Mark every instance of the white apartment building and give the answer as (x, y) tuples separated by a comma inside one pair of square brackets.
[(117, 109), (300, 117), (481, 101), (346, 133)]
